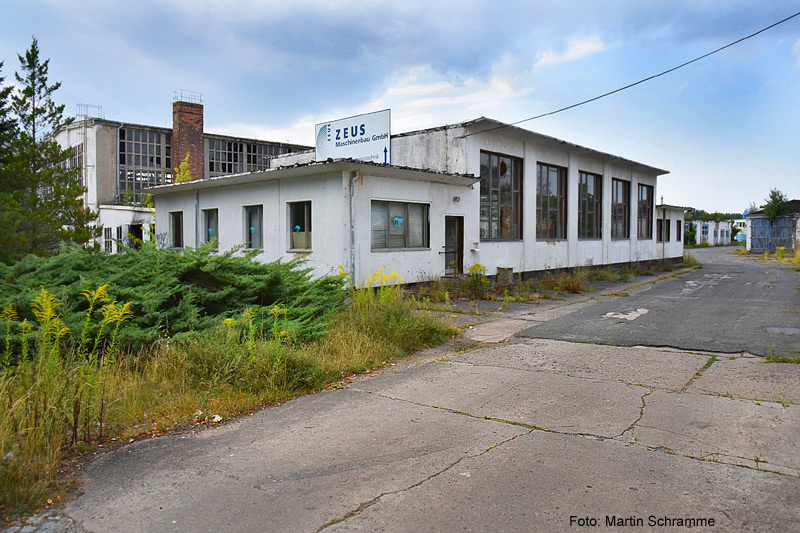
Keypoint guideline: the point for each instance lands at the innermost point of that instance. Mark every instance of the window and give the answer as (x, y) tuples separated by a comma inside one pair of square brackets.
[(225, 156), (176, 229), (590, 202), (144, 161), (108, 243), (667, 226), (678, 231), (620, 209), (551, 202), (399, 225), (210, 225), (501, 197), (300, 225), (659, 230), (253, 217), (645, 215)]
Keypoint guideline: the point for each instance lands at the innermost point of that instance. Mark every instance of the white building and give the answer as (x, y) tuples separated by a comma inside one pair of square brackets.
[(534, 203), (715, 233)]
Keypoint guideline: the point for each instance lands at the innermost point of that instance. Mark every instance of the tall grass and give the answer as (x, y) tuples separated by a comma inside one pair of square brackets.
[(61, 395)]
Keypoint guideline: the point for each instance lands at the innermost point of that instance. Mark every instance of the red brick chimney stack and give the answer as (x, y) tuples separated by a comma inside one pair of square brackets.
[(187, 132)]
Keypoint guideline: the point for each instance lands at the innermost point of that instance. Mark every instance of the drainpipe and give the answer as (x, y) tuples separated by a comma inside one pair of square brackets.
[(356, 175), (663, 232), (196, 217)]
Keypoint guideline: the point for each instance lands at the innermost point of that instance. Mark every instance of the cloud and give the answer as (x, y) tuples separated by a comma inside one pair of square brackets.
[(419, 97), (576, 49)]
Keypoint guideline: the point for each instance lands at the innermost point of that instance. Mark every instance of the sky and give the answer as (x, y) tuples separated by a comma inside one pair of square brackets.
[(726, 127)]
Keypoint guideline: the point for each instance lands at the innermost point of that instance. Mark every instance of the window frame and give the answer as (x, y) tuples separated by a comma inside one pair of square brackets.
[(546, 212), (590, 209), (108, 240), (620, 217), (501, 195), (247, 212), (207, 227), (306, 233), (644, 214), (176, 229), (387, 228)]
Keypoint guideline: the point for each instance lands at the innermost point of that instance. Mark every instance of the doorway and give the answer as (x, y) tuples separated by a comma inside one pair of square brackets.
[(453, 246)]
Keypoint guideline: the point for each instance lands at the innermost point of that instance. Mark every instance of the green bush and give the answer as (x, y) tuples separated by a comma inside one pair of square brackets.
[(176, 292)]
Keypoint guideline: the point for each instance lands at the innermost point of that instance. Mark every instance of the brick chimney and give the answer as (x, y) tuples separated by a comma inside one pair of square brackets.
[(187, 132)]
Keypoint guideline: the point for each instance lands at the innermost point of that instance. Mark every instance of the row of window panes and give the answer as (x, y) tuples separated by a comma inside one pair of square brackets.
[(153, 137), (141, 148), (131, 182), (501, 197), (551, 206), (393, 225), (661, 224)]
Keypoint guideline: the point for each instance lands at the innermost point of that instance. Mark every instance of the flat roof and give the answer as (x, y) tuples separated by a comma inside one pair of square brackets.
[(321, 167)]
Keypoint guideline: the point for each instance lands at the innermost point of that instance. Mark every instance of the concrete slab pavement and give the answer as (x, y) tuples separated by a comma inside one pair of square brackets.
[(751, 377), (551, 401), (539, 481), (509, 435), (656, 367)]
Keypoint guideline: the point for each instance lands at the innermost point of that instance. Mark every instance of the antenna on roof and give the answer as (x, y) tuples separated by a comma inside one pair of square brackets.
[(183, 95)]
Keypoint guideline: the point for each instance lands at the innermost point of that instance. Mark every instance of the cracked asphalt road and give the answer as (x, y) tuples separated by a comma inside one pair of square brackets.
[(491, 433), (733, 304)]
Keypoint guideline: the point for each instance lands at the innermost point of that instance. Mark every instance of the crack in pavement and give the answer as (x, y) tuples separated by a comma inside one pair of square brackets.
[(365, 505), (641, 415)]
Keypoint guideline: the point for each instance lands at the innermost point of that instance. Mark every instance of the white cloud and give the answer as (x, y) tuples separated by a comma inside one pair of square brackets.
[(419, 97), (576, 49)]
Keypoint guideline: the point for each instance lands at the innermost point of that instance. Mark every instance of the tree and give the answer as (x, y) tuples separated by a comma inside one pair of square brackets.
[(40, 193), (776, 205), (182, 173)]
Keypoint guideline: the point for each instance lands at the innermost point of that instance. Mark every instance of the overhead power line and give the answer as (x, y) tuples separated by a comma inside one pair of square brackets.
[(634, 84)]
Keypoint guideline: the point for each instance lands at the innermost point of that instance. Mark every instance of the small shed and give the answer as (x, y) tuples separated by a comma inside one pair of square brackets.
[(768, 235)]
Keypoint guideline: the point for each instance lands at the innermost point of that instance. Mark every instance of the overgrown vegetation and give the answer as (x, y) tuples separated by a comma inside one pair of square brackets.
[(477, 285), (173, 293), (85, 368)]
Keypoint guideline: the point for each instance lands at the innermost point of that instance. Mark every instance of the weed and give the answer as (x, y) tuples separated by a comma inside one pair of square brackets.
[(785, 403), (690, 260), (772, 358), (61, 393)]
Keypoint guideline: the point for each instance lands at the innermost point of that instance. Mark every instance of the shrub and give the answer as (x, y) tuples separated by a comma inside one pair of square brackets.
[(174, 292)]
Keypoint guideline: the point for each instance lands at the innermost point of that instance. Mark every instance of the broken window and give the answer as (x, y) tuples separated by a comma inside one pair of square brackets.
[(501, 197)]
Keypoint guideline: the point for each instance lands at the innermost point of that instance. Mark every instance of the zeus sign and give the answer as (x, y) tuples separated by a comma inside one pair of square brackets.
[(363, 137)]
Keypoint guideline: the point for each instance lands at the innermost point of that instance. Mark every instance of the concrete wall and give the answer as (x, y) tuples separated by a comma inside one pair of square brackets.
[(329, 217), (448, 150), (414, 264)]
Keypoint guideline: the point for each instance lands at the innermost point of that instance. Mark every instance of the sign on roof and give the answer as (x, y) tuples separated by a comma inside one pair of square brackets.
[(364, 137)]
